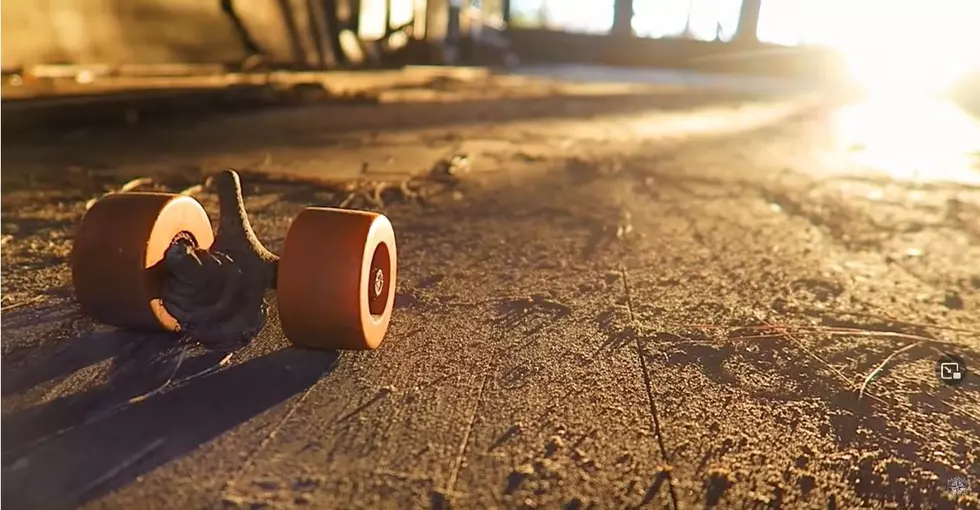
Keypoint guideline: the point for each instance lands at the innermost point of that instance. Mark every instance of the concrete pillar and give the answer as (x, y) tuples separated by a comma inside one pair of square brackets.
[(623, 18), (437, 20), (748, 22)]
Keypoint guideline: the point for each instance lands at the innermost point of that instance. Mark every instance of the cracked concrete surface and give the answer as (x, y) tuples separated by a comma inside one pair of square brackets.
[(642, 299)]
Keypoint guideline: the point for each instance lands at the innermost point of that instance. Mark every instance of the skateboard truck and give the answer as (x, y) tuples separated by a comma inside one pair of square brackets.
[(217, 294), (151, 261)]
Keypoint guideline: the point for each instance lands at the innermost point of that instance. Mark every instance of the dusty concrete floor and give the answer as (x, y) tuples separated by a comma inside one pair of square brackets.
[(658, 299)]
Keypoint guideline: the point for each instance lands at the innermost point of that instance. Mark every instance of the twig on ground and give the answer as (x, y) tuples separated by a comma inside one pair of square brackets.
[(29, 301), (119, 468), (886, 318), (379, 188), (843, 332), (192, 190), (127, 187), (779, 330), (789, 332), (881, 366), (840, 375), (347, 201), (140, 398), (407, 192)]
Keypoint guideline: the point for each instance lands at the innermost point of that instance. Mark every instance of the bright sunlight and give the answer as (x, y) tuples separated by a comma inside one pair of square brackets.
[(890, 47)]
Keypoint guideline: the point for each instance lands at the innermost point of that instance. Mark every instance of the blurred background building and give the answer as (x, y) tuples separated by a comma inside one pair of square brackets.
[(902, 43)]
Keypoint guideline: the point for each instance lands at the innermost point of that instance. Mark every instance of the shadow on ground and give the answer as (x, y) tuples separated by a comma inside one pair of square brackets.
[(73, 449)]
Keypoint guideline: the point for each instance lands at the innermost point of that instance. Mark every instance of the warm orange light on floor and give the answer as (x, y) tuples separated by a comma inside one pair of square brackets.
[(913, 138)]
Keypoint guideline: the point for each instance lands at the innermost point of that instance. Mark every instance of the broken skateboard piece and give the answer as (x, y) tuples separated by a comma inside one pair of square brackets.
[(151, 261)]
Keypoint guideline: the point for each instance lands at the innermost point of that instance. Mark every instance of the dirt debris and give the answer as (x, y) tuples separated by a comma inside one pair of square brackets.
[(724, 353), (555, 443), (451, 169), (953, 300), (719, 480)]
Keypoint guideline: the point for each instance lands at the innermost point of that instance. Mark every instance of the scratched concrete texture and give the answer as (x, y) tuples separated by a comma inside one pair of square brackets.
[(708, 295)]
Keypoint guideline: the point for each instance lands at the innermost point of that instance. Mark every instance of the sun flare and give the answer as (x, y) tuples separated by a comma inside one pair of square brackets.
[(895, 47), (925, 54)]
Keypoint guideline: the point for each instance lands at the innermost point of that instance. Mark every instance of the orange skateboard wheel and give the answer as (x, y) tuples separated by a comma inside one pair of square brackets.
[(116, 261), (336, 279)]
